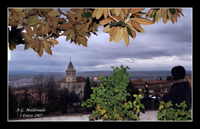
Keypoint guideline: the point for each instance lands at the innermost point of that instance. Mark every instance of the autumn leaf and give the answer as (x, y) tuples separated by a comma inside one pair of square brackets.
[(53, 41), (105, 21), (71, 16), (53, 13), (143, 21), (125, 36), (64, 26), (46, 47), (29, 31)]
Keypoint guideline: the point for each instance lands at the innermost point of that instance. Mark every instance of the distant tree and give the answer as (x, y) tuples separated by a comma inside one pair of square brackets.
[(160, 78), (156, 102), (51, 86), (64, 99), (12, 105), (64, 107), (169, 78), (87, 90), (40, 83), (73, 97), (25, 102)]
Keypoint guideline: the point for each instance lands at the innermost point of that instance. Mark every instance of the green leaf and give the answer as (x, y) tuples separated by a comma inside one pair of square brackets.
[(141, 12), (142, 106), (129, 32), (121, 23), (91, 116), (87, 14), (33, 20), (154, 16), (172, 11)]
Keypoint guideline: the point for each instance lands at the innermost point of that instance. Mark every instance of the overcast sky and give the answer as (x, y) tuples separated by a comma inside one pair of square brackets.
[(161, 47)]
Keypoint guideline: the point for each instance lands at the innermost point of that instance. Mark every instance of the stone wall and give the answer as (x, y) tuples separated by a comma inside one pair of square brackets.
[(147, 116)]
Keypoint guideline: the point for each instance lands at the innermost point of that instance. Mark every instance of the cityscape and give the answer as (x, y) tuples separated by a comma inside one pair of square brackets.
[(42, 90)]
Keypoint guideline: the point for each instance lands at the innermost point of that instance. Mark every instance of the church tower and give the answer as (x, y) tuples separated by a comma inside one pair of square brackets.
[(70, 73)]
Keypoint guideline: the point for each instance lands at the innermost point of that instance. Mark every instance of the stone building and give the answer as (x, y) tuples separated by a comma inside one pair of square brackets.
[(72, 82)]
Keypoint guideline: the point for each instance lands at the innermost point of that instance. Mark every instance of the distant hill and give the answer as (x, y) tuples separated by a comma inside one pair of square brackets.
[(149, 75)]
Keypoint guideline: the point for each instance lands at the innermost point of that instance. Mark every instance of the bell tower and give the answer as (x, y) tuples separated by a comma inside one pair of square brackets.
[(70, 73)]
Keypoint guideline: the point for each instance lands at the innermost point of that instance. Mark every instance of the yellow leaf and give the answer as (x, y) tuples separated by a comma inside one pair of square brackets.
[(126, 10), (40, 53), (137, 26), (117, 11), (105, 21), (125, 36), (46, 28), (131, 26), (119, 35), (53, 41), (70, 35), (94, 13), (99, 13), (53, 13), (27, 46), (113, 32), (135, 10), (105, 13), (67, 32), (143, 21), (106, 29), (78, 27), (135, 95), (46, 47), (79, 12), (82, 40), (35, 44), (117, 17), (95, 26), (37, 48), (29, 31), (71, 16)]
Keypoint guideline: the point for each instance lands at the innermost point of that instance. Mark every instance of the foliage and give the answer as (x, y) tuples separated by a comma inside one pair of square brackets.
[(109, 99), (167, 112), (169, 78), (38, 28), (87, 90)]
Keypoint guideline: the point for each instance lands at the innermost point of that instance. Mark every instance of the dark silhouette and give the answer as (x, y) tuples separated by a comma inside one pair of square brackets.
[(180, 89), (87, 90)]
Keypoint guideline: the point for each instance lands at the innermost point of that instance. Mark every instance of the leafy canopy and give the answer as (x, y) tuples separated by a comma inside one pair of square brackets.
[(39, 28)]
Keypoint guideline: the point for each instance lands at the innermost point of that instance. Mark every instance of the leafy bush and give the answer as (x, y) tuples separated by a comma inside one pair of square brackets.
[(167, 112), (109, 99)]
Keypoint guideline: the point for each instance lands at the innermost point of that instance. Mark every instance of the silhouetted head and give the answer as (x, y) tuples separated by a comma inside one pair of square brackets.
[(178, 72)]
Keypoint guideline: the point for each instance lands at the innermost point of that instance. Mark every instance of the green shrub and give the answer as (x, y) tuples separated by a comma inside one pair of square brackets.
[(109, 99), (167, 112)]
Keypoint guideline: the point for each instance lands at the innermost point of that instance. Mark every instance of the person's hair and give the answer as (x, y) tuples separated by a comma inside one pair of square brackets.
[(178, 72)]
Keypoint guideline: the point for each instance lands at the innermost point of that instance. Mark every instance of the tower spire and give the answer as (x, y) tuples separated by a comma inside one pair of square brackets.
[(70, 59)]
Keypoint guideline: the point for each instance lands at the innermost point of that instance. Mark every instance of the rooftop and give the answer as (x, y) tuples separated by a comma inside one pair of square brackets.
[(78, 79)]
